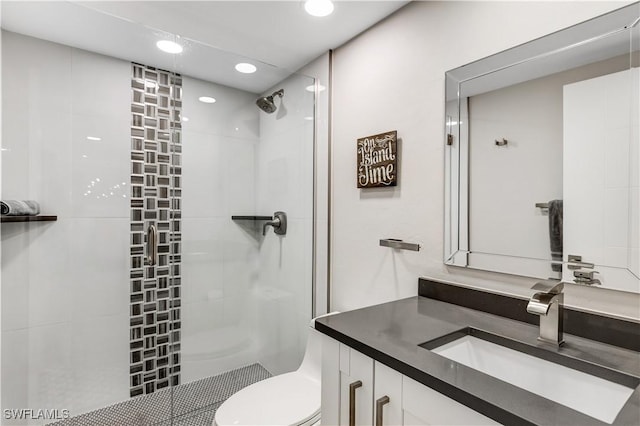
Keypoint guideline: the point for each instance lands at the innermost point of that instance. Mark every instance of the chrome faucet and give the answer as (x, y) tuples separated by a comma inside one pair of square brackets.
[(548, 304)]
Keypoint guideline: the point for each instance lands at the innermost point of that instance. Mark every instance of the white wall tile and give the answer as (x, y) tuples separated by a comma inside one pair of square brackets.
[(36, 74), (203, 174), (100, 357), (99, 268), (71, 271), (15, 275), (200, 318), (100, 86), (233, 109), (101, 169), (293, 109), (239, 176), (285, 172), (37, 131), (202, 259), (51, 371), (43, 173), (49, 279), (15, 368)]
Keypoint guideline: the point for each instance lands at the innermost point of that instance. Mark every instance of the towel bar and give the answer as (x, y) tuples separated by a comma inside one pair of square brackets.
[(399, 244)]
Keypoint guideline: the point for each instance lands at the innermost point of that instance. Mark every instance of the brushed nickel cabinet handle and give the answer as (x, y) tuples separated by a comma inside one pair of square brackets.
[(379, 406), (152, 245), (352, 401)]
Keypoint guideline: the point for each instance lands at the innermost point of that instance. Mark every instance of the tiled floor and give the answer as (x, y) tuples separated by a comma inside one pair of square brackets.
[(194, 404)]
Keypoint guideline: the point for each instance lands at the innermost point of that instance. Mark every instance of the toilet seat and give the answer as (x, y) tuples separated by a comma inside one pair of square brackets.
[(287, 399)]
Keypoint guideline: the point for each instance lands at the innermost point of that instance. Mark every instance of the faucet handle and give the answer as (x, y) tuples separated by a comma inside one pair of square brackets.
[(540, 303), (275, 223), (549, 286), (279, 224)]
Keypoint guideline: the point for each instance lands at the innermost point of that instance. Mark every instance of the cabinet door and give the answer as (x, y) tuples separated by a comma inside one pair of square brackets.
[(387, 396), (344, 372), (424, 406), (356, 388), (330, 379)]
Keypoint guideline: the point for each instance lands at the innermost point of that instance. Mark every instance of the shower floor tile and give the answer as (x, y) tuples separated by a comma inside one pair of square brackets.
[(194, 403)]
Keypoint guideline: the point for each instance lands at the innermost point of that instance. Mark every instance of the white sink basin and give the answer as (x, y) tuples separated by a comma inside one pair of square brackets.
[(588, 394)]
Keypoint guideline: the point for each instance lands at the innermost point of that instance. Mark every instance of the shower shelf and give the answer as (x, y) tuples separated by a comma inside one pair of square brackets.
[(254, 218), (43, 218)]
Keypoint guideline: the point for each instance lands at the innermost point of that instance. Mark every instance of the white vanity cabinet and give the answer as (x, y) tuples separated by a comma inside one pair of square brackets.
[(355, 385)]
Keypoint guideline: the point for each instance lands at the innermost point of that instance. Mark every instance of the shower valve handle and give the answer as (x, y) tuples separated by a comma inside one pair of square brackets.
[(279, 224)]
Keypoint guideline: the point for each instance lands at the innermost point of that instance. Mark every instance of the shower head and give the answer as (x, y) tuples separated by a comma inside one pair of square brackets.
[(267, 104)]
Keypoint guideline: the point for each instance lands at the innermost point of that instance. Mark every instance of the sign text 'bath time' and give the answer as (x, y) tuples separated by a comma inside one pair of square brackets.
[(378, 160)]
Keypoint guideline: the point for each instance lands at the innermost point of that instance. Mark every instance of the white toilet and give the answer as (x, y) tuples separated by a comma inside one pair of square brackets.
[(287, 399)]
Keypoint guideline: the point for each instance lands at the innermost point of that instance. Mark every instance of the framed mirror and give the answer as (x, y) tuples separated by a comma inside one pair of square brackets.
[(542, 157)]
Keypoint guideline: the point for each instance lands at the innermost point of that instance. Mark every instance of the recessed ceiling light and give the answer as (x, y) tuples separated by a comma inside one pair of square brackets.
[(169, 46), (246, 68), (318, 7), (94, 138), (206, 99), (185, 119), (312, 88)]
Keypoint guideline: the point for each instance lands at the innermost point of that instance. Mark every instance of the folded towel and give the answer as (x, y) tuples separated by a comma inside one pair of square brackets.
[(555, 233), (19, 208)]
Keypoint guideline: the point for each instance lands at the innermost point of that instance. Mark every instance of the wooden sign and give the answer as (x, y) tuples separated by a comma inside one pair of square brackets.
[(378, 160)]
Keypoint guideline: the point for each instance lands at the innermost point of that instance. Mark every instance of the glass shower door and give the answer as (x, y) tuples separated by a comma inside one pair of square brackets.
[(245, 298)]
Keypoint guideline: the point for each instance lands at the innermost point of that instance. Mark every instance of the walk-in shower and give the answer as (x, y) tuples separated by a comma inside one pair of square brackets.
[(150, 294)]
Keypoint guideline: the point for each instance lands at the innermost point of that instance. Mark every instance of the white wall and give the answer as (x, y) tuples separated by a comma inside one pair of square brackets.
[(392, 78), (65, 314)]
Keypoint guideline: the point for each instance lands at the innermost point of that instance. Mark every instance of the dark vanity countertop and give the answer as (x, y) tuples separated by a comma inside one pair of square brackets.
[(390, 333)]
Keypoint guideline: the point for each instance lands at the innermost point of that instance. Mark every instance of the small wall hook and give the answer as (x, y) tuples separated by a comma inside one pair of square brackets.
[(501, 142)]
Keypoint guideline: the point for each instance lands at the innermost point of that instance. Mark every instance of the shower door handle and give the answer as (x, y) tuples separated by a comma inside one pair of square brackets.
[(352, 401), (152, 245)]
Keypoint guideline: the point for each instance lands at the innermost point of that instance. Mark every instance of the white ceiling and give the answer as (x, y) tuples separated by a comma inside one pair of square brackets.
[(279, 33)]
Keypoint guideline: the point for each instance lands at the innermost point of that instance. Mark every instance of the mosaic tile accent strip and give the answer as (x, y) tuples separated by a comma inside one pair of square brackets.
[(194, 403), (156, 171)]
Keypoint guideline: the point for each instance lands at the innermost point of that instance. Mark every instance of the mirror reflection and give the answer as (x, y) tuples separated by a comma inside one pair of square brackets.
[(542, 157)]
